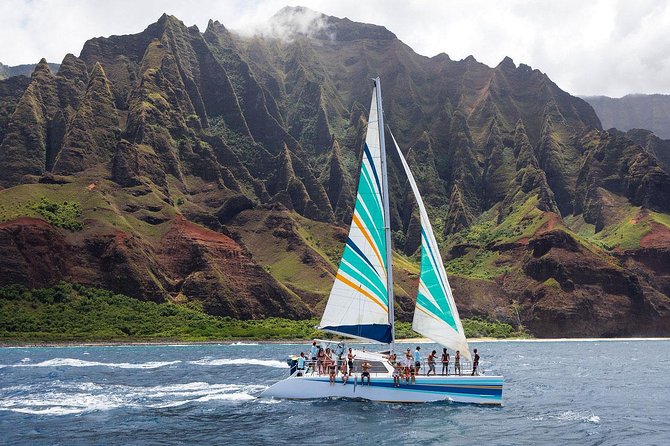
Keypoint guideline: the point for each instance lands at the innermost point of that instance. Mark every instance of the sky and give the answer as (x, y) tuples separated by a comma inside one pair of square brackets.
[(596, 47)]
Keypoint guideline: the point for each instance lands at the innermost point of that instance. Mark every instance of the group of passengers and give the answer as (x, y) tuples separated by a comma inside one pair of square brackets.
[(406, 367), (331, 362)]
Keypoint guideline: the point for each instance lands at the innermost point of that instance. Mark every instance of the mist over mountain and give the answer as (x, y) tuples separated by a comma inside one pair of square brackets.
[(634, 111), (219, 167)]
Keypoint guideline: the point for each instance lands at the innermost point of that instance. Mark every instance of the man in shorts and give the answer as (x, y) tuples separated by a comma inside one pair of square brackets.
[(366, 366), (417, 360), (475, 363)]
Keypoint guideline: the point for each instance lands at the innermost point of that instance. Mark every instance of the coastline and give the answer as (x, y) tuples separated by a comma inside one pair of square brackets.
[(242, 342)]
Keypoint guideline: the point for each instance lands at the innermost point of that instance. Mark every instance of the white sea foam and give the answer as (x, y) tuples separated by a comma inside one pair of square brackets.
[(570, 415), (244, 343), (241, 361), (72, 362), (62, 398)]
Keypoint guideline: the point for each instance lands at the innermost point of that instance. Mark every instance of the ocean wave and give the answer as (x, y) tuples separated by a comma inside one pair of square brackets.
[(241, 361), (72, 362), (570, 415), (244, 343), (63, 398)]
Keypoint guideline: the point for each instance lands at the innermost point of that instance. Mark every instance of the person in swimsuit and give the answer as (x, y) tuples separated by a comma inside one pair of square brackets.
[(366, 366), (445, 361), (457, 363), (343, 370), (320, 359), (475, 363), (397, 371)]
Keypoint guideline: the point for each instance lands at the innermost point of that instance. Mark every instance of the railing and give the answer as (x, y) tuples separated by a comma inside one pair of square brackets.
[(312, 368)]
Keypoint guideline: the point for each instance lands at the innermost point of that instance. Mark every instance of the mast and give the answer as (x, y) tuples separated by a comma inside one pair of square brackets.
[(387, 212)]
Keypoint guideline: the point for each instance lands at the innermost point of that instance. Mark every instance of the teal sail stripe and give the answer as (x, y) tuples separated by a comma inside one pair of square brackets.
[(373, 213), (362, 275), (433, 284)]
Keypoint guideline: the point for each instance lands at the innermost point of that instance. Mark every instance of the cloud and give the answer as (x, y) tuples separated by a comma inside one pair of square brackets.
[(610, 47)]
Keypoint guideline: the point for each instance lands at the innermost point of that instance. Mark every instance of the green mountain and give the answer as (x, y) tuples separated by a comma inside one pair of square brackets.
[(180, 165)]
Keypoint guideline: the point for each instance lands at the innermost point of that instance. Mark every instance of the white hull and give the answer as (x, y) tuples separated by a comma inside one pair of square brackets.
[(461, 389)]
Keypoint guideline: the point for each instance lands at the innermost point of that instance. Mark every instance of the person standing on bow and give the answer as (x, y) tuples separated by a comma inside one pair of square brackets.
[(457, 363), (475, 363), (445, 361)]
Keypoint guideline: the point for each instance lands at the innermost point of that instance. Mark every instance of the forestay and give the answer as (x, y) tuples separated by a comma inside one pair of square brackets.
[(358, 302), (435, 315)]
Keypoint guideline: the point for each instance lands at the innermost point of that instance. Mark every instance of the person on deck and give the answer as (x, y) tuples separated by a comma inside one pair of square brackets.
[(343, 370), (350, 361), (431, 363), (366, 366), (475, 363), (313, 351), (320, 359), (409, 366), (445, 361), (417, 360), (457, 363), (397, 371), (301, 364)]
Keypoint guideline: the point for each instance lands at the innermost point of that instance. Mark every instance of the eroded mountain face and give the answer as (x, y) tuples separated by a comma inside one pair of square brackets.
[(221, 168)]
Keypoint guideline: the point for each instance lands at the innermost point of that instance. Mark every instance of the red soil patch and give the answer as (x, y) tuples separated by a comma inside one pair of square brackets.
[(549, 225), (24, 221), (658, 236), (192, 231)]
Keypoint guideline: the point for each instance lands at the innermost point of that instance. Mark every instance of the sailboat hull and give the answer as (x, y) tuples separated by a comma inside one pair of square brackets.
[(461, 389)]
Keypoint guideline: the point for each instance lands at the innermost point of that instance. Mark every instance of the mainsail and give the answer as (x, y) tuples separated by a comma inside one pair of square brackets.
[(435, 315), (358, 305)]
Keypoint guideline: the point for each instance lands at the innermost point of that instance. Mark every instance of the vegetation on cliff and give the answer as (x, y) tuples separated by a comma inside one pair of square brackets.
[(71, 312)]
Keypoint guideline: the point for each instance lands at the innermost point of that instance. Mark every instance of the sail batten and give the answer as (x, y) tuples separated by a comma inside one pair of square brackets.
[(436, 315), (358, 305)]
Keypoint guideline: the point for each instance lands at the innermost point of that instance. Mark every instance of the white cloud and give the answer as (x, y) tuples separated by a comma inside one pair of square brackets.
[(611, 47)]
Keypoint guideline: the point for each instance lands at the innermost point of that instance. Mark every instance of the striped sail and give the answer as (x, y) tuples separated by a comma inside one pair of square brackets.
[(435, 315), (358, 302)]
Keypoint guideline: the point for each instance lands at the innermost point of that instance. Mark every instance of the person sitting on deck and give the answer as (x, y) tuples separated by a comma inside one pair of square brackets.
[(409, 366), (445, 361), (301, 364), (320, 359), (457, 363), (343, 370), (397, 371), (475, 363), (431, 363), (366, 366)]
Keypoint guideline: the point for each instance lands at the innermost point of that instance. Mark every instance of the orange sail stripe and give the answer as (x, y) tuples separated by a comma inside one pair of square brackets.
[(361, 290), (359, 223)]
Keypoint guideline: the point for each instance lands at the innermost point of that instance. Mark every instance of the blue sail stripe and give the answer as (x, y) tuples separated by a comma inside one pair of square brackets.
[(372, 165), (373, 208), (356, 249), (377, 332)]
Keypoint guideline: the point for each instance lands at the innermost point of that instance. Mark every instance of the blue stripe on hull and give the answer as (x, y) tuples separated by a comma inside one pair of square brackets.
[(487, 389)]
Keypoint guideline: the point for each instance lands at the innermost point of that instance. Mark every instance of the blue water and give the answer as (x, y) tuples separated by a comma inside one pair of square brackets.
[(581, 393)]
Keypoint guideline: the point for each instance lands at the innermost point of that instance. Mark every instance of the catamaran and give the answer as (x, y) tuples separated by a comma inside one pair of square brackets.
[(360, 305)]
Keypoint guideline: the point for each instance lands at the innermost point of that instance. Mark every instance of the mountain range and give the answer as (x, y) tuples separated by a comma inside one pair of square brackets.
[(634, 111), (218, 169)]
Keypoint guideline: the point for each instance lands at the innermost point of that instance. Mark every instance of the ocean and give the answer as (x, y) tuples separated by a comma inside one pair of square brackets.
[(597, 392)]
